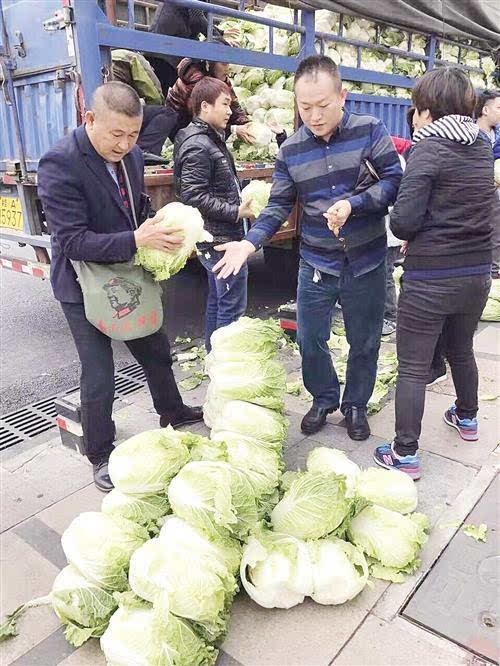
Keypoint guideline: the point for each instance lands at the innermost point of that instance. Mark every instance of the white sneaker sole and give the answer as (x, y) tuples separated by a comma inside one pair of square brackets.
[(438, 380), (413, 474), (472, 438)]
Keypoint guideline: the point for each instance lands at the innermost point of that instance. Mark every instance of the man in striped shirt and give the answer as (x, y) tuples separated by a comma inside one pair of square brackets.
[(345, 172)]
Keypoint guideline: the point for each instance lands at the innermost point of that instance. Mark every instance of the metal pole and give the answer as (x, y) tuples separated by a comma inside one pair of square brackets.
[(307, 38), (130, 11), (10, 98), (111, 11)]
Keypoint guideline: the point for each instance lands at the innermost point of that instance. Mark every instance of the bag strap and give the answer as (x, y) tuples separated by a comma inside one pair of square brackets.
[(129, 191)]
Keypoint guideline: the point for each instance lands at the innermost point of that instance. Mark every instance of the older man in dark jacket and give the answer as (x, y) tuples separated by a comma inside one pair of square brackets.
[(81, 183), (205, 177)]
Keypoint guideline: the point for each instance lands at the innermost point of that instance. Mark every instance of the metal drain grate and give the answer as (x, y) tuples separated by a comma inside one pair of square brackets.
[(134, 372), (37, 418)]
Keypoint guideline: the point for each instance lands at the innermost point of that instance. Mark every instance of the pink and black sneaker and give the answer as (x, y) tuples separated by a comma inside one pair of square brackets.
[(385, 456), (467, 428)]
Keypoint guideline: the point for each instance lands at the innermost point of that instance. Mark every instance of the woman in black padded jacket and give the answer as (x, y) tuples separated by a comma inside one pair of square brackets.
[(444, 210)]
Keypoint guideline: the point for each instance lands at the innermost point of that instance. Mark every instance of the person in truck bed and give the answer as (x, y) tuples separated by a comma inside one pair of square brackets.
[(179, 96)]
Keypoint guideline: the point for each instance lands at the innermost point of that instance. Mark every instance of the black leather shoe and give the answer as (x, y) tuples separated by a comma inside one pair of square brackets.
[(185, 416), (315, 419), (357, 423), (101, 477)]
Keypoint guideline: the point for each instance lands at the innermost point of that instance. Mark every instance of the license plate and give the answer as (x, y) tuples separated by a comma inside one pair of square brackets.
[(11, 215)]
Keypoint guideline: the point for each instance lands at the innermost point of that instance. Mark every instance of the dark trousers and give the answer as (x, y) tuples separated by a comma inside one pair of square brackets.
[(426, 309), (495, 238), (97, 386), (363, 300), (166, 73), (227, 299), (158, 124)]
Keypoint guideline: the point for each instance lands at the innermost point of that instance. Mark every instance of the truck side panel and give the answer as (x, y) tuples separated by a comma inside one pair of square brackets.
[(47, 112)]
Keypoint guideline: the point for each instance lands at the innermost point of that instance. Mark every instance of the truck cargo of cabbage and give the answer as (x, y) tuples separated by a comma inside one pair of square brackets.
[(258, 90)]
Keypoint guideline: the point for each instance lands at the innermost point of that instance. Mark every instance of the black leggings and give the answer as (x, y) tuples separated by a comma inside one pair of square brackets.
[(426, 309)]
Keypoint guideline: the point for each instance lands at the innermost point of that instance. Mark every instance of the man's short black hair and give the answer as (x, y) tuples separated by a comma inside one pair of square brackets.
[(444, 91), (483, 98), (312, 65), (117, 97)]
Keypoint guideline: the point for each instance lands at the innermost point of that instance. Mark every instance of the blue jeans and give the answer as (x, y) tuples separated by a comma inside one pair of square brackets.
[(227, 299), (363, 300)]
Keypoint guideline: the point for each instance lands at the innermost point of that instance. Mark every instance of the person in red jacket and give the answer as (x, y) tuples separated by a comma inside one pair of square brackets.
[(179, 96)]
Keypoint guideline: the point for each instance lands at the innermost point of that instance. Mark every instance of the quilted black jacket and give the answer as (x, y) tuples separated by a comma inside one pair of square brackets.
[(205, 177), (445, 204)]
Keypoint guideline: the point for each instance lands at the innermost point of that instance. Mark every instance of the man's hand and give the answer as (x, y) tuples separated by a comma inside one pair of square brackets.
[(275, 127), (337, 215), (245, 209), (149, 234), (243, 133), (404, 248), (233, 36), (236, 253)]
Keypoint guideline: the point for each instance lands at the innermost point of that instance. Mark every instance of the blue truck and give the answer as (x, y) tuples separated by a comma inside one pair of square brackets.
[(54, 53)]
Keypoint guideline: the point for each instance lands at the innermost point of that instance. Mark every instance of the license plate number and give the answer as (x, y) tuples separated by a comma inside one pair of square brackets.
[(11, 215)]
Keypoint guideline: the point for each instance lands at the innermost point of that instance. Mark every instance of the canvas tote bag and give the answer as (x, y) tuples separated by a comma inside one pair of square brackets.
[(122, 300)]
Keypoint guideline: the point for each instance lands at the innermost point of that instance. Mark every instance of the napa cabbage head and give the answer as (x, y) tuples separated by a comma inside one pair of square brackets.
[(262, 134), (139, 635), (82, 607), (146, 510), (251, 420), (215, 497), (99, 547), (225, 549), (261, 462), (272, 75), (145, 463), (261, 383), (491, 311), (165, 264), (339, 570), (280, 116), (391, 489), (253, 78), (212, 407), (313, 506), (197, 584), (276, 569), (391, 539), (257, 338), (257, 193), (324, 460)]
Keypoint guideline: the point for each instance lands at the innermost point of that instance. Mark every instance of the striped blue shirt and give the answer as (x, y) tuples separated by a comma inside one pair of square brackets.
[(319, 173)]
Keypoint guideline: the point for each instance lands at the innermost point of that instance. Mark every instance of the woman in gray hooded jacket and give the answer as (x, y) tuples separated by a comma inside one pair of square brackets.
[(444, 209)]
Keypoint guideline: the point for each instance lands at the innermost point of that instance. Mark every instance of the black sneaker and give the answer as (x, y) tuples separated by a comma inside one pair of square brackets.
[(185, 416), (101, 477), (437, 375)]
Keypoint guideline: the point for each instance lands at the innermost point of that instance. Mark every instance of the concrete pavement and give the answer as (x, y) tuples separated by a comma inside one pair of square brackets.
[(44, 486)]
